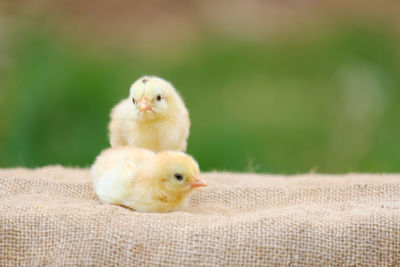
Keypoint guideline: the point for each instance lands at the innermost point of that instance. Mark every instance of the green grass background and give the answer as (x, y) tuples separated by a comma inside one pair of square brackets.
[(325, 101)]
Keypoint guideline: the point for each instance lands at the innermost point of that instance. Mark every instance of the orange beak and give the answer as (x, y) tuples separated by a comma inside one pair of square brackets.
[(198, 182), (144, 105)]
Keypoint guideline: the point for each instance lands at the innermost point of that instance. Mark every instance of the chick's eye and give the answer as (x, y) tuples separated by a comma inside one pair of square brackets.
[(178, 176), (133, 100), (159, 97)]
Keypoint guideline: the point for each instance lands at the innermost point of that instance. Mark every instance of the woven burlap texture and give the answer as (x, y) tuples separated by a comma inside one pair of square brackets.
[(51, 216)]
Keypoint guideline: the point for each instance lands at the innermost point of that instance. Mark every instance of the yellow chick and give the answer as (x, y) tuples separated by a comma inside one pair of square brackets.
[(143, 180), (153, 117)]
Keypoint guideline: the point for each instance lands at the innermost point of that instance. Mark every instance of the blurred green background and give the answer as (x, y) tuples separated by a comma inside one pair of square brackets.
[(271, 87)]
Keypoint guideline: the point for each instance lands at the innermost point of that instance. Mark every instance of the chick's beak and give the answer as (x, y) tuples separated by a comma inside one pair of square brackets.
[(198, 182), (144, 105)]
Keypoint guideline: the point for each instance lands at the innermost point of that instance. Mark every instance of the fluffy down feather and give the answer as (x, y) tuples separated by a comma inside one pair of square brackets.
[(143, 180), (154, 117)]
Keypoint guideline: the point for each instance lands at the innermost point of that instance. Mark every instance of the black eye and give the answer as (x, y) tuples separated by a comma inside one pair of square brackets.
[(133, 100), (159, 98), (178, 176)]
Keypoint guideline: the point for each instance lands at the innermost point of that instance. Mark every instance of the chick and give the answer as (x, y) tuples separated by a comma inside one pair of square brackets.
[(143, 180), (153, 117)]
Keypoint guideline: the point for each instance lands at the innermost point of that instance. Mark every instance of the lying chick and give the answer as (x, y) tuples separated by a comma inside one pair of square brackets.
[(153, 117), (143, 180)]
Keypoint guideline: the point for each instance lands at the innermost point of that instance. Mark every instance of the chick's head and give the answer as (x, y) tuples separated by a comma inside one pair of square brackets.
[(177, 172), (152, 97)]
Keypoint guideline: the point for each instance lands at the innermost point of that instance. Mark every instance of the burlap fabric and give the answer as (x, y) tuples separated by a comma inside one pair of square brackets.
[(51, 216)]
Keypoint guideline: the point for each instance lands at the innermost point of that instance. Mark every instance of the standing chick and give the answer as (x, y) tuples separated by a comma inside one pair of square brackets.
[(153, 117), (143, 180)]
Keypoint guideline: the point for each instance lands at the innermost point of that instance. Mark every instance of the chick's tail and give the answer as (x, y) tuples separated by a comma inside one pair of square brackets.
[(115, 184)]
